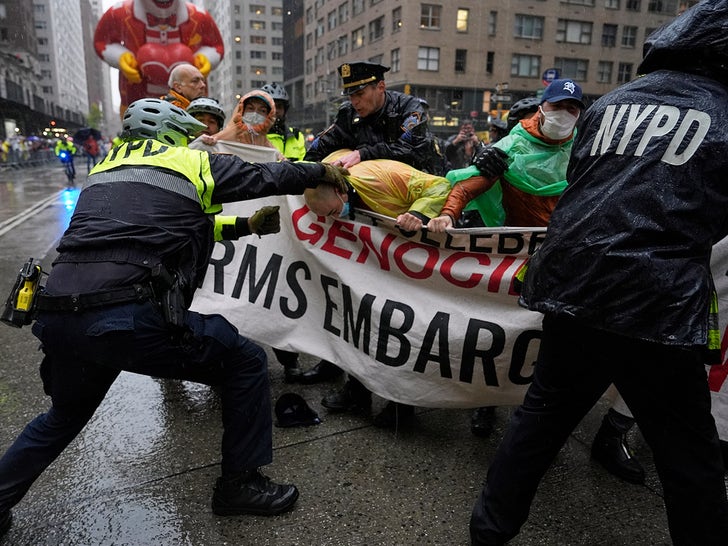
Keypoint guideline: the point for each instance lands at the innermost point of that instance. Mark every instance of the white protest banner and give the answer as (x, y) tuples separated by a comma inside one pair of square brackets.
[(424, 319)]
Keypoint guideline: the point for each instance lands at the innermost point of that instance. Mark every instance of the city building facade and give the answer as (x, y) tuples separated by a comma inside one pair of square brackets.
[(472, 59)]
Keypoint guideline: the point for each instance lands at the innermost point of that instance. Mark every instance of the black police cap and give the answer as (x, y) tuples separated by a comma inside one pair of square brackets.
[(358, 75)]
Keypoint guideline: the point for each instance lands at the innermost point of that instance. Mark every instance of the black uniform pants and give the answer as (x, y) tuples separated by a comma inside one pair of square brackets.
[(85, 352), (666, 389)]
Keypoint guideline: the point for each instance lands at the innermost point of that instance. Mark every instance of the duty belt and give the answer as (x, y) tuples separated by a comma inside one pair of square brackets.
[(90, 300)]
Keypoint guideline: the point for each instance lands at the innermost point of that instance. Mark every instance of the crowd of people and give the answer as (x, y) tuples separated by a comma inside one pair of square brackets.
[(622, 278)]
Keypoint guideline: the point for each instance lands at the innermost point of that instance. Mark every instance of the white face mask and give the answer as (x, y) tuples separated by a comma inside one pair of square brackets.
[(251, 119), (557, 124)]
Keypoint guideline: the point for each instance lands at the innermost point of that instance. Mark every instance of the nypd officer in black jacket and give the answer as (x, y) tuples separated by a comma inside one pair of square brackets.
[(117, 299), (375, 123)]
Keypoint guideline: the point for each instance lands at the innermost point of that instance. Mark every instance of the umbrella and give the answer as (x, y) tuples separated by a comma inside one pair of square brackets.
[(82, 134)]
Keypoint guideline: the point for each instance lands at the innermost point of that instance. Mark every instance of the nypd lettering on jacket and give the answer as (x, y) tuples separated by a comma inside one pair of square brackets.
[(628, 129)]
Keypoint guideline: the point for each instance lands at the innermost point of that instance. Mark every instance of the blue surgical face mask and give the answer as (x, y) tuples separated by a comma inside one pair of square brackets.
[(345, 209)]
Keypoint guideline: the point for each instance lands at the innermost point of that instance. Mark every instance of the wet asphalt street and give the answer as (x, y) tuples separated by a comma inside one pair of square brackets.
[(142, 471)]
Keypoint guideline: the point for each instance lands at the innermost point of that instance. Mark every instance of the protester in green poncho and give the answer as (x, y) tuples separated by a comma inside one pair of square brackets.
[(518, 180)]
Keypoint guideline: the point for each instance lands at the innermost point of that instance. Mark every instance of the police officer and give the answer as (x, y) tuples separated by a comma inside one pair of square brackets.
[(374, 123), (289, 140), (137, 247)]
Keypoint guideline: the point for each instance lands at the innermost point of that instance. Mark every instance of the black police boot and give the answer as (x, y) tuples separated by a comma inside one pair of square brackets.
[(353, 397), (6, 519), (292, 373), (482, 421), (291, 369), (320, 373), (252, 493), (395, 416), (611, 450)]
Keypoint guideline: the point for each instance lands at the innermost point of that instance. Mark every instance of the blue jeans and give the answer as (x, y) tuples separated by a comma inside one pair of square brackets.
[(665, 387), (85, 352)]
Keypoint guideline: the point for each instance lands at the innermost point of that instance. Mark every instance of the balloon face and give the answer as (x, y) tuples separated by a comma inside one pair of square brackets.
[(156, 61)]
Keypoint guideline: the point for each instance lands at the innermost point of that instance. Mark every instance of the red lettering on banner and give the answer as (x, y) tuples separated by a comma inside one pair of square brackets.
[(717, 374), (497, 276), (365, 235), (317, 230), (395, 250), (339, 230), (427, 268), (470, 282)]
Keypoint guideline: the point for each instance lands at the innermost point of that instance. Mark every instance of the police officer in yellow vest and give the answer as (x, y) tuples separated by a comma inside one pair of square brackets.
[(288, 140), (118, 298)]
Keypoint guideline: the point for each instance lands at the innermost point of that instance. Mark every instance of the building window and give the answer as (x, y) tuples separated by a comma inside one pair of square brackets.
[(462, 20), (331, 51), (579, 2), (257, 54), (238, 55), (309, 41), (629, 36), (238, 70), (309, 66), (430, 16), (320, 56), (624, 73), (343, 45), (633, 5), (527, 66), (604, 72), (609, 35), (666, 7), (257, 25), (257, 39), (257, 84), (357, 7), (428, 58), (258, 70), (461, 56), (492, 22), (394, 60), (344, 13), (277, 26), (611, 4), (276, 12), (276, 56), (528, 26), (309, 15), (257, 9), (576, 69), (332, 20), (357, 38), (396, 20), (489, 60), (573, 32), (376, 29), (319, 28), (276, 41)]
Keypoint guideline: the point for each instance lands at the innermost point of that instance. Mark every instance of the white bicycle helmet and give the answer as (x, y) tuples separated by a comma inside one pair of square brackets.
[(207, 105), (277, 91), (160, 120)]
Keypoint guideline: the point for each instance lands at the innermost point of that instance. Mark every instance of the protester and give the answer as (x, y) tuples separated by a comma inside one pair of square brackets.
[(118, 298), (253, 117), (186, 83), (384, 186), (528, 166), (623, 279), (374, 123)]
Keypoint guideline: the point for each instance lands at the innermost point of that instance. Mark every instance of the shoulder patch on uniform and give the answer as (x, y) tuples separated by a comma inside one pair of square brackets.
[(414, 119)]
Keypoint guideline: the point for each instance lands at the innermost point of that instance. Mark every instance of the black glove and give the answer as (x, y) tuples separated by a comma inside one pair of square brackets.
[(491, 162), (266, 220), (335, 176)]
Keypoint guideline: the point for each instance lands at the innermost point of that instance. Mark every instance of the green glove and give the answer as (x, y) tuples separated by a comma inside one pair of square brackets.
[(266, 220), (336, 176)]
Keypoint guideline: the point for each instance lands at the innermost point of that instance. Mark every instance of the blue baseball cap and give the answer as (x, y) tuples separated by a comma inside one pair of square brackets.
[(564, 89)]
